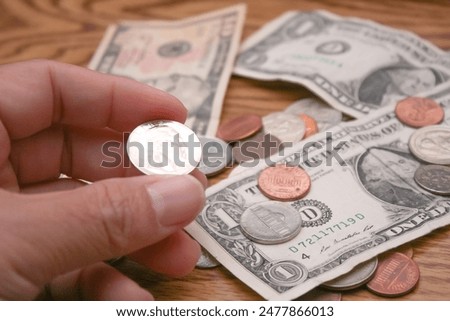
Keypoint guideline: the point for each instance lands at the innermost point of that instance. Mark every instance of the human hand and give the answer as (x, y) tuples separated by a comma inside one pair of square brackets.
[(55, 118)]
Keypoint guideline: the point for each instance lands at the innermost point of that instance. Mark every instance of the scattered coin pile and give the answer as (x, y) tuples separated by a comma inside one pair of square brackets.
[(393, 273), (430, 143), (249, 136), (261, 223)]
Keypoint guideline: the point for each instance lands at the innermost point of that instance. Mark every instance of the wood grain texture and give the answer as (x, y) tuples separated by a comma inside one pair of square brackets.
[(70, 31)]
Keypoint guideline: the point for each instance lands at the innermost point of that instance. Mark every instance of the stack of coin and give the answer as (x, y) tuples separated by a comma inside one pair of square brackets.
[(430, 143)]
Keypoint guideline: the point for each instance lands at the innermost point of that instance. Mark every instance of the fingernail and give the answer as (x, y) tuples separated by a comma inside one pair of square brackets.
[(176, 199)]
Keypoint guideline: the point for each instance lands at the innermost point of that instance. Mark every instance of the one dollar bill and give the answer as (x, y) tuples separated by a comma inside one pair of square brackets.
[(363, 201), (357, 66), (191, 58)]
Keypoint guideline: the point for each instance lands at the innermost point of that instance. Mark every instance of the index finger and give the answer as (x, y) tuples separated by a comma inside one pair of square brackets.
[(36, 94)]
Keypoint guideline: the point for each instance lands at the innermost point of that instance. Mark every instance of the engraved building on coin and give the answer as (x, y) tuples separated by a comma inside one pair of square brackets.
[(164, 147)]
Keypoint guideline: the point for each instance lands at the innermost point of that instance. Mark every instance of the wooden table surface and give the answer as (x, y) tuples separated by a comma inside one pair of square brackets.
[(70, 31)]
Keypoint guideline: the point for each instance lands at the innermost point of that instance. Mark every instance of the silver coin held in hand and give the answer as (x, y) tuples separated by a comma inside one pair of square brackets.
[(164, 147)]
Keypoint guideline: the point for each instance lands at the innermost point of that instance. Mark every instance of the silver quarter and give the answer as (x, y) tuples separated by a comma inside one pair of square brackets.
[(216, 155), (323, 114), (431, 144), (358, 276), (164, 147), (270, 222), (434, 178), (285, 127), (206, 260)]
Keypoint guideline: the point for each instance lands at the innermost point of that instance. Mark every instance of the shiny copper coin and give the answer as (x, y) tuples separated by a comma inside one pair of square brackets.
[(419, 112), (396, 275), (311, 127), (284, 183), (239, 128)]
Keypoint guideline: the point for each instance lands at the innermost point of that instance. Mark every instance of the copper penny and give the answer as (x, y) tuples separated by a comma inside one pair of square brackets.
[(419, 112), (310, 124), (284, 183), (239, 128), (396, 275)]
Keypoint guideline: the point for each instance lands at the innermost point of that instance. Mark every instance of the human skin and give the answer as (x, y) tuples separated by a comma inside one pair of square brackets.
[(56, 233)]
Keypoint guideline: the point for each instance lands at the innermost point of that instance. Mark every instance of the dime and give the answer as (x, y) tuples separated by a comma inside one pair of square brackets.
[(285, 127), (359, 275), (206, 260), (434, 178), (431, 144), (319, 294), (396, 275), (324, 115), (284, 183), (270, 222), (310, 124), (216, 155), (259, 146), (419, 112), (164, 147), (239, 128)]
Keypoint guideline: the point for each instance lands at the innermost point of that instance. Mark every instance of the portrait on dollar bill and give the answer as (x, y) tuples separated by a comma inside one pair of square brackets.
[(387, 85), (388, 175)]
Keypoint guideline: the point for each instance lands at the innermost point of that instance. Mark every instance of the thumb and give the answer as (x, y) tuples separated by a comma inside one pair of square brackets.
[(54, 233)]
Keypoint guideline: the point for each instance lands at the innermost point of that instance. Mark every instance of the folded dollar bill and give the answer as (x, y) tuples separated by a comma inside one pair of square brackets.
[(363, 201), (357, 66)]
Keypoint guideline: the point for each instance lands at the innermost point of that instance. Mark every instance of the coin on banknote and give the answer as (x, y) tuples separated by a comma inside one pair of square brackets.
[(216, 155), (419, 112), (359, 275), (324, 115), (285, 127), (396, 275), (206, 260), (310, 125), (434, 178), (239, 128), (258, 146), (284, 183), (431, 144), (164, 147), (270, 222)]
